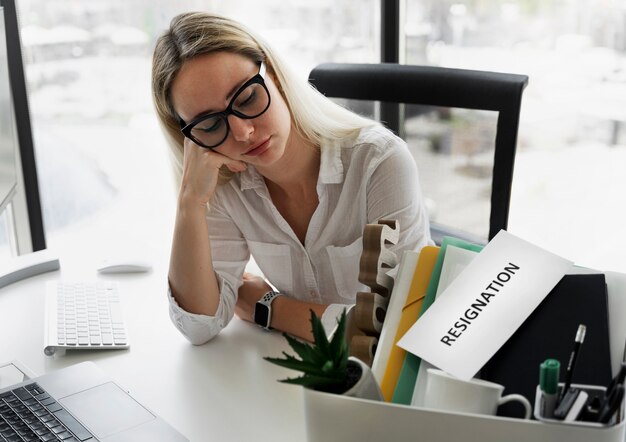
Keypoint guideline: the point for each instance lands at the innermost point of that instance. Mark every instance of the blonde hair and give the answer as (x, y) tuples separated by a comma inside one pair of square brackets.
[(191, 34)]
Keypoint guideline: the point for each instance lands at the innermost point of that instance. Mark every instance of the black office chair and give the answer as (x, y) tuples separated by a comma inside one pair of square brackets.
[(440, 87)]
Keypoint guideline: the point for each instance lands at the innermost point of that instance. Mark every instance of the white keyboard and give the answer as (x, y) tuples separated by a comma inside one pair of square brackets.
[(83, 315)]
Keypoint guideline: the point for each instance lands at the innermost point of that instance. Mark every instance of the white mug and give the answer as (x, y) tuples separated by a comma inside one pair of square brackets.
[(445, 392)]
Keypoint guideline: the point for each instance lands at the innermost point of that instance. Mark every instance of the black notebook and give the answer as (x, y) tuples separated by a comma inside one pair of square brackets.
[(549, 332)]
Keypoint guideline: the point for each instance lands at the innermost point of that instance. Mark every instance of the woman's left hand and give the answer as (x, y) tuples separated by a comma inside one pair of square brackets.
[(252, 289)]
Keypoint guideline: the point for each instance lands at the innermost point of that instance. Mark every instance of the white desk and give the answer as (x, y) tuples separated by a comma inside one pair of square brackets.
[(222, 391)]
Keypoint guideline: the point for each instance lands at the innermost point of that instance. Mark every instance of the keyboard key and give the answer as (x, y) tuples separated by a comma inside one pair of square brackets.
[(31, 420), (58, 429), (37, 425), (48, 437), (54, 407), (22, 393), (41, 431), (107, 339), (116, 313), (73, 425), (52, 423), (65, 435), (47, 418)]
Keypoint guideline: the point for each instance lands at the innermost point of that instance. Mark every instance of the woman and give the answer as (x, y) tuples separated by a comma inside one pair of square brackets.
[(287, 176)]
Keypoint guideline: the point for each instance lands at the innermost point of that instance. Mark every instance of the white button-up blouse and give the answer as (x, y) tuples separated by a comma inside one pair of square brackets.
[(361, 180)]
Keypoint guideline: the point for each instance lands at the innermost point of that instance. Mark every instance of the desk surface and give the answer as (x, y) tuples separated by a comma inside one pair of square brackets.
[(222, 391)]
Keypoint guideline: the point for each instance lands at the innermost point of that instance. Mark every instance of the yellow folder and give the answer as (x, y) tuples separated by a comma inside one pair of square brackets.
[(410, 313)]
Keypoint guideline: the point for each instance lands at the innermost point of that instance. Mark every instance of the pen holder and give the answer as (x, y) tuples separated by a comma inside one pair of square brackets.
[(591, 390)]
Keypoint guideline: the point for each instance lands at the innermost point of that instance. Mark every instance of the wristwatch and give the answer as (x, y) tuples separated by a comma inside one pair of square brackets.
[(263, 309)]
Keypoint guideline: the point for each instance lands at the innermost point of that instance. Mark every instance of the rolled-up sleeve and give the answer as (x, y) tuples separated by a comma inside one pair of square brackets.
[(230, 255), (198, 329)]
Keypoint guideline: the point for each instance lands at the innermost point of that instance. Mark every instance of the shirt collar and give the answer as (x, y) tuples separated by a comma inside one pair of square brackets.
[(250, 178)]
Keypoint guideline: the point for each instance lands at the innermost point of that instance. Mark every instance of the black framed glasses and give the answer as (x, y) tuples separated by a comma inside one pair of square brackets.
[(250, 101)]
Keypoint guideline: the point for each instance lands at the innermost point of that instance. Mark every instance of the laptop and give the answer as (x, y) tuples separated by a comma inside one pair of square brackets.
[(78, 403)]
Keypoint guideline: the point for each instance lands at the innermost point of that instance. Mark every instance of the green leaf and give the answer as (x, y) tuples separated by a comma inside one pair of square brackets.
[(338, 345), (328, 367), (295, 364), (317, 383), (306, 351), (303, 350), (319, 335), (343, 360)]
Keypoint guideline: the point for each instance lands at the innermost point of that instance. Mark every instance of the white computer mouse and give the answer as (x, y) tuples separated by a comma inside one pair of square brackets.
[(124, 266)]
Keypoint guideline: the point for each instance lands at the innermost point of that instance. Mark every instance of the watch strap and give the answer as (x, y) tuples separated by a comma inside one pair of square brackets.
[(267, 301)]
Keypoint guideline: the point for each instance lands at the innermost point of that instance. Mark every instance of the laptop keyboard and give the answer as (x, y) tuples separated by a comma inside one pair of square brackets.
[(28, 414), (84, 316)]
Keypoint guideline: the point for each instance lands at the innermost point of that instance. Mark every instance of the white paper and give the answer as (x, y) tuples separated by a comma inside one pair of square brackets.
[(484, 305), (454, 262)]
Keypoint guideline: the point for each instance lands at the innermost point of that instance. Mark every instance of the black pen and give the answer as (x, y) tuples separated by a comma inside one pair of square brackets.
[(617, 380), (580, 337), (611, 404)]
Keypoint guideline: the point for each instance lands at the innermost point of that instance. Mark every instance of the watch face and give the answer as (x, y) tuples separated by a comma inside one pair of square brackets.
[(261, 313)]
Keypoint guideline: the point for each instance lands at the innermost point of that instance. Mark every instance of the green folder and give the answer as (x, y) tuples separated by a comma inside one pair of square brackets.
[(408, 375)]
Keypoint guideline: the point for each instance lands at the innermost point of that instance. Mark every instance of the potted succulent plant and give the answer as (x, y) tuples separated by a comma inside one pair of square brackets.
[(327, 366)]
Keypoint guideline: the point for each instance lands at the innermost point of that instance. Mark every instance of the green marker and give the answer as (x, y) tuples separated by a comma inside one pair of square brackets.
[(549, 385)]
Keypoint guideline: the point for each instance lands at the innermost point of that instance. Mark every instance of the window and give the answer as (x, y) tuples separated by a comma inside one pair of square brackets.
[(454, 150), (568, 184), (100, 153)]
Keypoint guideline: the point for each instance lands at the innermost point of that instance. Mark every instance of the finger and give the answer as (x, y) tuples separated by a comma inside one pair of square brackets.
[(189, 145), (217, 159), (237, 166)]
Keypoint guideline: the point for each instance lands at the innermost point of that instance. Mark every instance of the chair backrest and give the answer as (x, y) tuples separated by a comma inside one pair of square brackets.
[(441, 87)]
